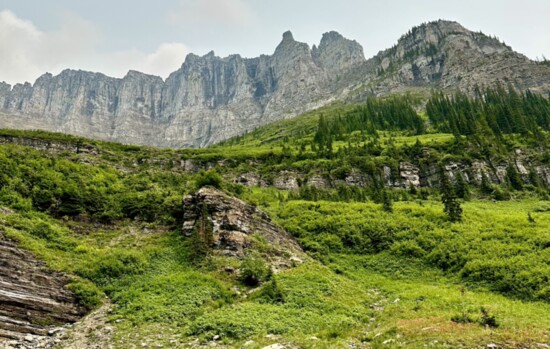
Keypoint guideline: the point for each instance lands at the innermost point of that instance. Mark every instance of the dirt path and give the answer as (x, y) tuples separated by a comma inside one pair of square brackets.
[(92, 332)]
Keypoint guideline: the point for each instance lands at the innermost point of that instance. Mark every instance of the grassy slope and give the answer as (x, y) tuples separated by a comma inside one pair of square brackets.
[(402, 294), (368, 299)]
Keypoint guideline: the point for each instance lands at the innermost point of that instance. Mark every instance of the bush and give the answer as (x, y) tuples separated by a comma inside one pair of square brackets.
[(487, 319), (209, 178), (44, 231), (500, 194), (462, 319), (254, 270), (87, 293), (408, 248), (113, 265), (270, 293)]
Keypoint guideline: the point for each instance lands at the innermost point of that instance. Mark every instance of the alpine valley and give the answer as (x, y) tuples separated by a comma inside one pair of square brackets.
[(311, 198)]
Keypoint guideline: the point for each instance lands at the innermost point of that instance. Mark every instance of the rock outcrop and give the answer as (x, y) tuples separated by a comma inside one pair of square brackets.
[(32, 298), (237, 226), (210, 99), (407, 175)]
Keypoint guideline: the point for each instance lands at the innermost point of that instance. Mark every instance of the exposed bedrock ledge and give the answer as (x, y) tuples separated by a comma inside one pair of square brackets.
[(32, 298)]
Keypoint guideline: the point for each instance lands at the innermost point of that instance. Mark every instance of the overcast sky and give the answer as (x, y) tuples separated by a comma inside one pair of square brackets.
[(38, 36)]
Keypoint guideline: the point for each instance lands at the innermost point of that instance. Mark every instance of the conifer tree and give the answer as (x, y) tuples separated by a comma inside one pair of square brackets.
[(462, 189), (202, 238), (513, 177), (485, 187), (448, 197), (534, 178), (387, 202)]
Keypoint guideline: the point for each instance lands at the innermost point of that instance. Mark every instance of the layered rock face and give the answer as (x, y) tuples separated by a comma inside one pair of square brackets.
[(32, 298), (235, 224), (406, 175), (207, 100), (210, 99)]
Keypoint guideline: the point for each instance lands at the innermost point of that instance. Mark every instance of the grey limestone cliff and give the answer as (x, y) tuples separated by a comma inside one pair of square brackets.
[(210, 99), (207, 100)]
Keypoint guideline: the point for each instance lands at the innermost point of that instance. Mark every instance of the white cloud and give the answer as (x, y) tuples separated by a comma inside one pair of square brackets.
[(28, 52), (167, 58), (214, 12)]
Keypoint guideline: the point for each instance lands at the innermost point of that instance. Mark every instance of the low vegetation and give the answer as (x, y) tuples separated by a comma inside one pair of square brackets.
[(459, 264)]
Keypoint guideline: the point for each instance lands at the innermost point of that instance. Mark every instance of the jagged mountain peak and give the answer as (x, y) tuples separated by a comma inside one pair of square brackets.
[(453, 35), (331, 36), (290, 47), (336, 51), (287, 36), (210, 98)]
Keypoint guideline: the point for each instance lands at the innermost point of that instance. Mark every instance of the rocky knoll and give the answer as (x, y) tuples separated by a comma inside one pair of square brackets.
[(236, 225), (210, 99), (32, 298)]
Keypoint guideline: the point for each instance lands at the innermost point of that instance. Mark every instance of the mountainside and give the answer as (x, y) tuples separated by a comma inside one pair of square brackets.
[(445, 55), (328, 230), (210, 99)]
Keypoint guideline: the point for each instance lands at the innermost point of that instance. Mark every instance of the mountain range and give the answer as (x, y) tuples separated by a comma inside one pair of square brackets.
[(210, 99)]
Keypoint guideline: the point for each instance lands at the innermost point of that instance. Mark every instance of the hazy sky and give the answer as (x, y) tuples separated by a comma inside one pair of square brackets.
[(38, 36)]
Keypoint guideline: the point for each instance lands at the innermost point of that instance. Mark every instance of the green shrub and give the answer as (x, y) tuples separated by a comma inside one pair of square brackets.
[(487, 319), (113, 265), (174, 297), (407, 248), (86, 292), (462, 319), (254, 270), (209, 178), (270, 293), (44, 231), (501, 194)]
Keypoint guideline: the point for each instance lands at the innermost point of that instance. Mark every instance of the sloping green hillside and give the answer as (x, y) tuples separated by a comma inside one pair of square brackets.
[(389, 267)]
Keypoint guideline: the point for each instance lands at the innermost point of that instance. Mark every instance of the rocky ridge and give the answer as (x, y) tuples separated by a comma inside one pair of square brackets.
[(210, 99), (419, 173), (447, 56), (207, 100)]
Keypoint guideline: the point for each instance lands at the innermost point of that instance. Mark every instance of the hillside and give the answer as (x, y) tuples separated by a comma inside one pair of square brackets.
[(210, 99), (328, 230)]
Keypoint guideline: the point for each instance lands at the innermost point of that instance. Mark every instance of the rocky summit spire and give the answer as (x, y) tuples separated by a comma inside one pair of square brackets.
[(337, 51), (287, 36)]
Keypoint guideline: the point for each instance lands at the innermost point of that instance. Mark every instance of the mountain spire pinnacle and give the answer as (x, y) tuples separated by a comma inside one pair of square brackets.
[(287, 36)]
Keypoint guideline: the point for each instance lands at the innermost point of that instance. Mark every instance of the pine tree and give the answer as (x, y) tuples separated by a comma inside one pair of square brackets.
[(202, 239), (448, 197), (486, 186), (513, 177), (387, 202), (462, 189), (534, 178)]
